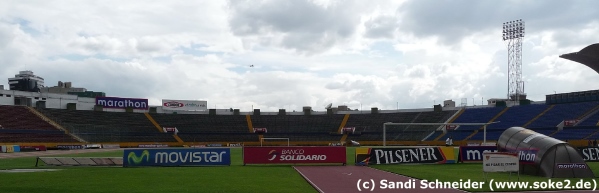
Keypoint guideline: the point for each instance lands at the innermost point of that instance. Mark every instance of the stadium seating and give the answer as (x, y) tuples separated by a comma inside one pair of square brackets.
[(561, 112), (99, 126), (371, 125), (592, 120), (476, 115), (202, 123), (517, 116), (19, 117), (21, 125)]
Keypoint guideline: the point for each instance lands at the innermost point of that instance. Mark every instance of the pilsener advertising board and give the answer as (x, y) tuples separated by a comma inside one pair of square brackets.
[(401, 155), (177, 157), (294, 155), (184, 105), (589, 154)]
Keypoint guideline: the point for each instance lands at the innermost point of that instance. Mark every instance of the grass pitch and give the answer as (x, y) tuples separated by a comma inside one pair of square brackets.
[(234, 178)]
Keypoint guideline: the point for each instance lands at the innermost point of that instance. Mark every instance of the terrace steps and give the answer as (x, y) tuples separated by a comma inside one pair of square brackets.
[(154, 122), (160, 128), (460, 112), (53, 123), (345, 118)]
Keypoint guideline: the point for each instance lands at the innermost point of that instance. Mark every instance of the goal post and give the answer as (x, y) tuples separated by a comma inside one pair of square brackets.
[(273, 138), (390, 123)]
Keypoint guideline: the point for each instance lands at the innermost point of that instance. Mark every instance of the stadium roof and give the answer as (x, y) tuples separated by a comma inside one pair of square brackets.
[(588, 56)]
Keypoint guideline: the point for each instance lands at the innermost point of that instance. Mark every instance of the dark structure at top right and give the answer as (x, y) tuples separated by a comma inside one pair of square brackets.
[(589, 56)]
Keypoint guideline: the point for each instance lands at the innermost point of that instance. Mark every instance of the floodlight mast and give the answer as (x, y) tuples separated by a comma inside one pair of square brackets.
[(390, 123), (513, 32)]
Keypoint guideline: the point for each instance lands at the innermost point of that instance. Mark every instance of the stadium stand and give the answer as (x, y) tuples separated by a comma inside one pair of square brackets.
[(370, 126), (300, 127), (561, 112), (100, 126), (20, 125), (207, 128)]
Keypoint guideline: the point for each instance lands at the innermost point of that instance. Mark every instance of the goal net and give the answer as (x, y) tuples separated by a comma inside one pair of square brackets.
[(273, 139), (444, 126)]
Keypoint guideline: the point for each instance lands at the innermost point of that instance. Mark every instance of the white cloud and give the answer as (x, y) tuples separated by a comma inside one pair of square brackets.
[(305, 53)]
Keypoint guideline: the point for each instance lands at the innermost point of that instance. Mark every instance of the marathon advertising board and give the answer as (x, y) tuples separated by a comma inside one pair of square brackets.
[(122, 103), (177, 157), (152, 145), (526, 155), (474, 153), (68, 147), (589, 154), (33, 148), (184, 105), (400, 155), (234, 144), (294, 155)]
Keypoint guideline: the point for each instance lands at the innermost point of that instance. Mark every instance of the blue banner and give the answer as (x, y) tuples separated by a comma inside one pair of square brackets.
[(474, 153), (122, 103), (177, 157)]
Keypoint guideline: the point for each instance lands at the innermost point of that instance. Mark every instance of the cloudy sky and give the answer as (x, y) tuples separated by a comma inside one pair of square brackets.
[(363, 54)]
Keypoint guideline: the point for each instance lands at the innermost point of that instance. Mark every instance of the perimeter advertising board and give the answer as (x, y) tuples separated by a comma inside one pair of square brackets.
[(177, 157), (184, 105), (294, 155), (501, 162), (122, 103), (475, 153), (589, 154), (405, 155)]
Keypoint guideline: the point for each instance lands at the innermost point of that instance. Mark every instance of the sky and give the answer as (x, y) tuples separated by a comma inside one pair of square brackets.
[(388, 54)]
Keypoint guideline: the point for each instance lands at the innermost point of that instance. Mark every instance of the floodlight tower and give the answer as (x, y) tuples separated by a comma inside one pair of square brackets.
[(513, 32)]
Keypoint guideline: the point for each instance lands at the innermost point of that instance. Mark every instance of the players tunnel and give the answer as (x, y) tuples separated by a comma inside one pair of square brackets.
[(541, 155)]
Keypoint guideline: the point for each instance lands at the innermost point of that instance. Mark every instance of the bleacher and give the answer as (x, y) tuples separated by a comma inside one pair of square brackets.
[(98, 126), (574, 133), (517, 116), (202, 123), (370, 126), (208, 128), (562, 112), (476, 115), (300, 127), (21, 125)]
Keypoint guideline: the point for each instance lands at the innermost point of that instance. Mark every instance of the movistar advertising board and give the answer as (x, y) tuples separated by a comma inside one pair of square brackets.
[(177, 157)]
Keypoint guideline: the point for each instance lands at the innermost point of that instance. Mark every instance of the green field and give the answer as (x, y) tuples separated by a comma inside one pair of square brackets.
[(234, 178)]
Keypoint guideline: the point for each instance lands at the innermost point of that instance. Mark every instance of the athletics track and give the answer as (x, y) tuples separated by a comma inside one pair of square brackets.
[(343, 179)]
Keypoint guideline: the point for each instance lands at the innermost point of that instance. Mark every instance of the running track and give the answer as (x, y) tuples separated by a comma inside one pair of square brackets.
[(344, 179)]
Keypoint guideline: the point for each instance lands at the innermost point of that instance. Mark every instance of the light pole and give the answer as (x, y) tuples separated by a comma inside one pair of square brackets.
[(513, 32)]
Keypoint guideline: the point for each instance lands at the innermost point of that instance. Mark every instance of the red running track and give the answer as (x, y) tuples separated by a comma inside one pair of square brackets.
[(344, 179)]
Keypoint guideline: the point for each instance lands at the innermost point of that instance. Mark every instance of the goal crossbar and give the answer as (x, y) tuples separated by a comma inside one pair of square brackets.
[(274, 138), (481, 124)]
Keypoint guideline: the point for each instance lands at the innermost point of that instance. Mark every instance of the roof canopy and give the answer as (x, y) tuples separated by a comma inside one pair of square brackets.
[(589, 56)]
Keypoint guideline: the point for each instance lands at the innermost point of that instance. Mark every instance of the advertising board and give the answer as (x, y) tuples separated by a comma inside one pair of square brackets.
[(184, 105), (500, 162), (589, 154), (475, 153), (294, 155), (122, 103), (177, 157), (400, 155), (66, 147), (33, 148), (152, 145)]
